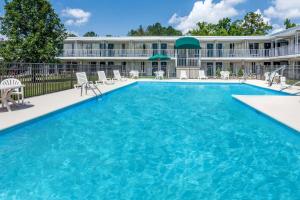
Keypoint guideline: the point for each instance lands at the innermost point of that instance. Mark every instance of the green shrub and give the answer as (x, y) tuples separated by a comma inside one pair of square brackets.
[(240, 72), (218, 73)]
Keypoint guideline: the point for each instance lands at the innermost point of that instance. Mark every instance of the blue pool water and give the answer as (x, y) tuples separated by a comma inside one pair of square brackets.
[(154, 141)]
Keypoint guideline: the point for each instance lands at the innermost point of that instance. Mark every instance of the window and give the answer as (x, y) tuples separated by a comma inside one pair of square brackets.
[(143, 67), (110, 50), (93, 66), (123, 64), (123, 53), (154, 68), (164, 47), (219, 50), (253, 48), (210, 69), (267, 47), (210, 50), (231, 51), (155, 48), (164, 67), (88, 49), (253, 68), (231, 66), (102, 49)]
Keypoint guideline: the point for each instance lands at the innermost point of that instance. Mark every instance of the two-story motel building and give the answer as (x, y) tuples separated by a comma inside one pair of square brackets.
[(210, 53)]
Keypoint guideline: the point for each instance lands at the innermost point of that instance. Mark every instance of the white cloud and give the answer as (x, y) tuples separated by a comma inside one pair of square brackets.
[(205, 10), (266, 19), (282, 9), (76, 16)]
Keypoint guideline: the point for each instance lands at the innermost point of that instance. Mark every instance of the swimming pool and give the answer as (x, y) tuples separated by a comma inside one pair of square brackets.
[(154, 141)]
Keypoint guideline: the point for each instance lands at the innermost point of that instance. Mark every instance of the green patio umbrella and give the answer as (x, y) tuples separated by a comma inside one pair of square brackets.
[(159, 57)]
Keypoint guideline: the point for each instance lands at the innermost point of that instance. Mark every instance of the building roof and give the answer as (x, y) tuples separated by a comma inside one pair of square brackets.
[(288, 32), (168, 38), (284, 33)]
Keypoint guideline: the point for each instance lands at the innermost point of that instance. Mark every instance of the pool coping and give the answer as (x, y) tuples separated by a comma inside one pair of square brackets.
[(245, 100), (5, 129)]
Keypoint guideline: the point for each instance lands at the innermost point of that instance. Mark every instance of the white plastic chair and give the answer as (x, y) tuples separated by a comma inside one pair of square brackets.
[(183, 75), (19, 92), (159, 74), (134, 74), (117, 76), (102, 79), (202, 75), (225, 75)]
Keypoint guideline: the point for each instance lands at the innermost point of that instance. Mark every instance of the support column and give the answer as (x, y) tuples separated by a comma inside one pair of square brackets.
[(176, 54), (76, 48), (297, 43), (214, 69), (276, 50)]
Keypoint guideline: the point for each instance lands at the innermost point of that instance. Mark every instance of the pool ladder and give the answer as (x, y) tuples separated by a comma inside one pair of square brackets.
[(93, 87)]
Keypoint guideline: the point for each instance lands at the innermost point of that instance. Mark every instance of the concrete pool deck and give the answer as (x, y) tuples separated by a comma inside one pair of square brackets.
[(35, 107), (285, 109)]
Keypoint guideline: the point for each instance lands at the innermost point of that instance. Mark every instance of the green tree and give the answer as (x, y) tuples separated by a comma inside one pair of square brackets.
[(223, 27), (139, 32), (288, 24), (72, 35), (155, 30), (236, 28), (240, 72), (34, 31), (90, 34), (203, 28), (254, 24)]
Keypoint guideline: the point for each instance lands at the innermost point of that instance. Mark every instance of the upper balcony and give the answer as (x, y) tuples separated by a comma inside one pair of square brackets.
[(205, 53), (126, 53)]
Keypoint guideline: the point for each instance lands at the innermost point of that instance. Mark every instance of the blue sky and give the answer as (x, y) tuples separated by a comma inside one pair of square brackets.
[(117, 17)]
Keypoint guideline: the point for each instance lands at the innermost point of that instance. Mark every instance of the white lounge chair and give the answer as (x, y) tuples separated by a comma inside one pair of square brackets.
[(202, 75), (159, 74), (183, 75), (19, 93), (83, 83), (118, 77), (134, 74), (225, 75), (102, 79)]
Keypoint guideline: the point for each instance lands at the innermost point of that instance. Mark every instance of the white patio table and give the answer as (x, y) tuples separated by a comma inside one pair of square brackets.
[(6, 92)]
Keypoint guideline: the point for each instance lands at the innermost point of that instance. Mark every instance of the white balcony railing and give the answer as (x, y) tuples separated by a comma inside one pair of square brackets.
[(206, 53), (116, 53)]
